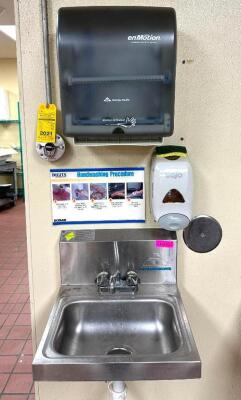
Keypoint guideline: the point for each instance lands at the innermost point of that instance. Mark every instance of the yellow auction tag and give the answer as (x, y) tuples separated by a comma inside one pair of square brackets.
[(46, 126)]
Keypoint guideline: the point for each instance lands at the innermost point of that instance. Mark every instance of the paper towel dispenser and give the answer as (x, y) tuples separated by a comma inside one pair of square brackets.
[(117, 71)]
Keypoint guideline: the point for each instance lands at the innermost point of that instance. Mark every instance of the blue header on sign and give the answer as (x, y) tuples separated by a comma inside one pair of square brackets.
[(95, 169)]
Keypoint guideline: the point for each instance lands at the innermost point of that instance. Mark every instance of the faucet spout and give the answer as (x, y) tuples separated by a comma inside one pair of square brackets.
[(116, 255), (114, 280)]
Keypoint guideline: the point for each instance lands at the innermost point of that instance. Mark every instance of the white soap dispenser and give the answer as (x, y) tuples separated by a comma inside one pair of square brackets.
[(171, 188)]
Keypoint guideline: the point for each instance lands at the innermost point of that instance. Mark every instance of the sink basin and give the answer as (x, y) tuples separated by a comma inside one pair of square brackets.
[(139, 336), (117, 335), (122, 327)]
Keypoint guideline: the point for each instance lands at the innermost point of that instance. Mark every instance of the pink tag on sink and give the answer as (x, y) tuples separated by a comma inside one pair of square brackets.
[(165, 243)]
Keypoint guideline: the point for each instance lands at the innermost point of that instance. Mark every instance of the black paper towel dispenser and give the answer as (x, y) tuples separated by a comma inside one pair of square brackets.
[(117, 71)]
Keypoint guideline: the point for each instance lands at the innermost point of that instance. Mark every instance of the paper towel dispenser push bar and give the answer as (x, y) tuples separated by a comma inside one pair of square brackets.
[(117, 71)]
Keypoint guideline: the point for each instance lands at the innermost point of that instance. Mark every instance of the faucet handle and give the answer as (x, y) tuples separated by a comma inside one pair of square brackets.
[(102, 279), (132, 278)]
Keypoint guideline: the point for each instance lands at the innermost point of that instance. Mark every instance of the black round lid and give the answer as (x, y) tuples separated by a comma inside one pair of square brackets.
[(203, 234)]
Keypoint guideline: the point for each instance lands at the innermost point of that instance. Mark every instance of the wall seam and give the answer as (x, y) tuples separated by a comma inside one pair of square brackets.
[(25, 166)]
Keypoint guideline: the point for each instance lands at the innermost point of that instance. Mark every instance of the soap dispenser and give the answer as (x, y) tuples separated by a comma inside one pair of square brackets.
[(171, 187)]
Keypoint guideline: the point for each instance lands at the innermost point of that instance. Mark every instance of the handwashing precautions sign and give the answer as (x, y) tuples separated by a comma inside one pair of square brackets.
[(97, 195)]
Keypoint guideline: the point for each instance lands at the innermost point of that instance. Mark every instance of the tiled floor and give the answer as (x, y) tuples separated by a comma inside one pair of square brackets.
[(16, 381)]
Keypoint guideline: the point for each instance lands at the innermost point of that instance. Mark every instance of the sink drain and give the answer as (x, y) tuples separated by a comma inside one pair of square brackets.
[(116, 351)]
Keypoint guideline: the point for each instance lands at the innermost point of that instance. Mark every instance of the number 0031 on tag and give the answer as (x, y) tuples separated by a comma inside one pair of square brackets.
[(46, 125)]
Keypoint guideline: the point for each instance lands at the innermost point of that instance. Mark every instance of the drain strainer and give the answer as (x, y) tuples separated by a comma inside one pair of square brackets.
[(116, 351)]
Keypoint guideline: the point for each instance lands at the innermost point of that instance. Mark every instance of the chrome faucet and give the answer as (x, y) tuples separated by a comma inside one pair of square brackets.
[(115, 282)]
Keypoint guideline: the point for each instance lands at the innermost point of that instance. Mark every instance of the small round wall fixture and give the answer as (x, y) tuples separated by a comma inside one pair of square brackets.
[(51, 151), (203, 234)]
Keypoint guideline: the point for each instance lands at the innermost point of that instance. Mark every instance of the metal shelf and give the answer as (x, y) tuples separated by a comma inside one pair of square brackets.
[(10, 167), (9, 121), (18, 122)]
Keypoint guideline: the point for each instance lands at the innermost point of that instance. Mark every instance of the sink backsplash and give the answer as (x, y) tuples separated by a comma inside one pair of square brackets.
[(151, 253)]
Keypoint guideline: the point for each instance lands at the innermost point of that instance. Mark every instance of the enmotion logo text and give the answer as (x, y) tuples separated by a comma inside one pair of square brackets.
[(144, 37)]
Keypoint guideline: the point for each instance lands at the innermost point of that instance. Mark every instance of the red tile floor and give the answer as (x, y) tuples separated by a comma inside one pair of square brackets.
[(16, 381)]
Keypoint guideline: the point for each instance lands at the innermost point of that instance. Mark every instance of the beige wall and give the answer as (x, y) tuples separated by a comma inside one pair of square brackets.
[(208, 116), (9, 81), (8, 75)]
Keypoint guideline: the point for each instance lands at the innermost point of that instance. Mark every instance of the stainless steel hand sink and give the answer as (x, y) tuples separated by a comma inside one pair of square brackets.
[(132, 337), (132, 327), (135, 335)]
